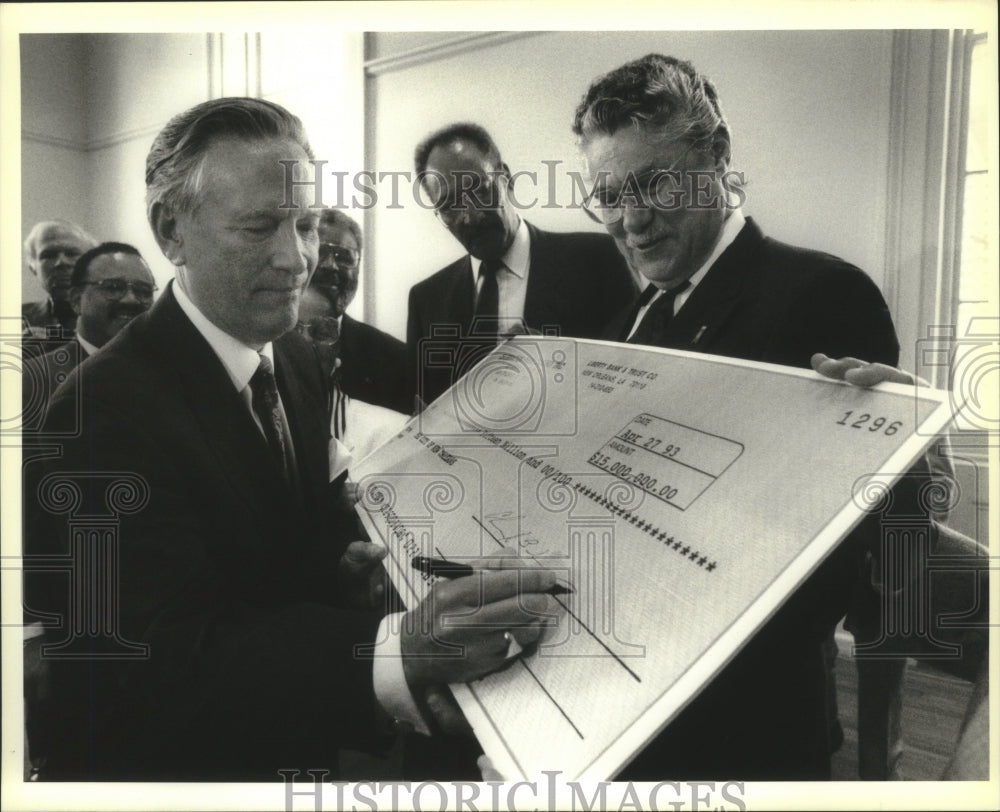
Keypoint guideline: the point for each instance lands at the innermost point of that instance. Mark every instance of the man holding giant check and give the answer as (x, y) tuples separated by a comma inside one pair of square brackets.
[(695, 506)]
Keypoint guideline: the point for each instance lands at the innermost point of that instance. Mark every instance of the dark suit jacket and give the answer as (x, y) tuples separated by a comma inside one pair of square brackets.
[(576, 282), (766, 301), (226, 575), (771, 713), (46, 363), (373, 366), (41, 315)]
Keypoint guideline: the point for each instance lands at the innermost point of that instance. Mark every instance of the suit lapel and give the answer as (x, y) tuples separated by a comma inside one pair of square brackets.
[(348, 333), (227, 428), (306, 419), (620, 327), (544, 297), (714, 299), (462, 297)]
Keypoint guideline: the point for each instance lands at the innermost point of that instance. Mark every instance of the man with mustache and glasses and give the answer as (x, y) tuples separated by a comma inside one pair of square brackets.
[(109, 286), (366, 367), (50, 250)]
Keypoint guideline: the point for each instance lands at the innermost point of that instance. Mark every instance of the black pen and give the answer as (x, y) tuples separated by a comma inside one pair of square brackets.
[(453, 569)]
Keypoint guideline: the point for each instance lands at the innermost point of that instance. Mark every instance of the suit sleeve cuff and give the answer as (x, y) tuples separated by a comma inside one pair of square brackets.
[(389, 679)]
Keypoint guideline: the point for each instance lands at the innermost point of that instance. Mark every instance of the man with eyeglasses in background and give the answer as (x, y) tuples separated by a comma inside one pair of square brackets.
[(50, 249), (364, 366), (109, 286), (515, 277)]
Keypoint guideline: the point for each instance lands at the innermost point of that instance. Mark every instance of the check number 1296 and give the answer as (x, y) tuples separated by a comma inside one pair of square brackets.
[(870, 423)]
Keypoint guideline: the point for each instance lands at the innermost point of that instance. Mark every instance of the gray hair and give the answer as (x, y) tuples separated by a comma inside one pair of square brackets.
[(31, 241), (658, 93), (175, 163)]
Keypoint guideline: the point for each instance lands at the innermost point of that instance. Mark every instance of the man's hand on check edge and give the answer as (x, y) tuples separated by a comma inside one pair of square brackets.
[(861, 373), (463, 629), (864, 374)]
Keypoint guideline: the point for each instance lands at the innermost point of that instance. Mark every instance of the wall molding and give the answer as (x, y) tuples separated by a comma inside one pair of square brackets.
[(115, 139), (213, 47), (54, 141), (922, 194), (255, 82), (445, 49), (245, 49), (93, 145)]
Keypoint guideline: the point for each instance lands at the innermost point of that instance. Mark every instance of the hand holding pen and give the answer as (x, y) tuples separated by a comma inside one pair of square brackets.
[(465, 626), (443, 568)]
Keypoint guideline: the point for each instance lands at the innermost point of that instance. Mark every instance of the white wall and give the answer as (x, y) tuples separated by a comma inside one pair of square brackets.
[(107, 96), (54, 134), (318, 76), (136, 82), (809, 112)]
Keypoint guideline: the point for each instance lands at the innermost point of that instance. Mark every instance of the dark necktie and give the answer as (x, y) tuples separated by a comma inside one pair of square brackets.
[(652, 328), (268, 410), (488, 301)]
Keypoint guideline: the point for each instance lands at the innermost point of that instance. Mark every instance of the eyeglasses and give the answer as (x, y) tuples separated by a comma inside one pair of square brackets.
[(342, 256), (483, 195), (114, 289), (661, 189)]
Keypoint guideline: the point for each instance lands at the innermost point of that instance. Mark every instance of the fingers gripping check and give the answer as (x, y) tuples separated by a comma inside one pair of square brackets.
[(458, 631)]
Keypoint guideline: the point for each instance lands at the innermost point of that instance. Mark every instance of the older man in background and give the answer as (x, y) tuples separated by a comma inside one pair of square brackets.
[(50, 250)]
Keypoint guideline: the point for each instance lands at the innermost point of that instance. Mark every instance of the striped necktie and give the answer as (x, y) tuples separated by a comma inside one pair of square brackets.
[(267, 407)]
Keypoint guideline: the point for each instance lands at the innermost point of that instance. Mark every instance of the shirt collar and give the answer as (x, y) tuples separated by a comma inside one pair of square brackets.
[(517, 257), (730, 229), (88, 348), (240, 361)]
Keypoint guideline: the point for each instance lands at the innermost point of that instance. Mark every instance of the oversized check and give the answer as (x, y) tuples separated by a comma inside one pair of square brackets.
[(683, 496)]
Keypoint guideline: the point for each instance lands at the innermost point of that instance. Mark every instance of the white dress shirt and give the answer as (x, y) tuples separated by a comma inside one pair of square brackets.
[(512, 279), (730, 229), (88, 348)]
